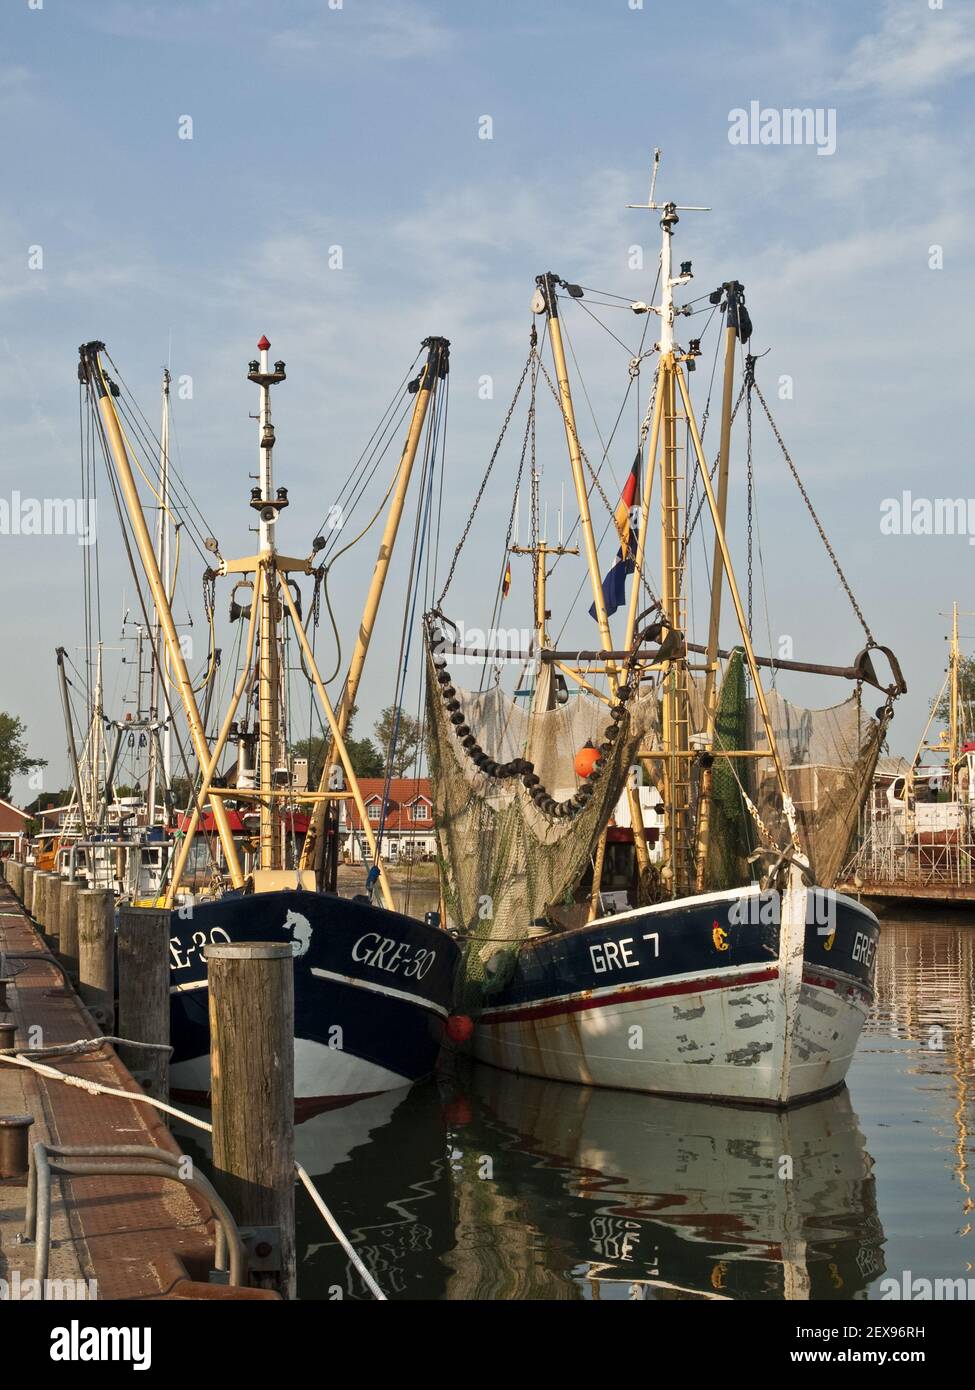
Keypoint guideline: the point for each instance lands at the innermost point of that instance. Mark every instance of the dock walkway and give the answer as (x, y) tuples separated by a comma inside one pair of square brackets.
[(135, 1237)]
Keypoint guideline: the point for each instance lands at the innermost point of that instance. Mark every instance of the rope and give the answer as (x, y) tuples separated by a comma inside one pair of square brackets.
[(753, 384), (487, 474), (97, 1088)]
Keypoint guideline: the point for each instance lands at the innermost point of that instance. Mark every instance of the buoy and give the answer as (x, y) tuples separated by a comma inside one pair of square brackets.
[(459, 1028), (586, 759)]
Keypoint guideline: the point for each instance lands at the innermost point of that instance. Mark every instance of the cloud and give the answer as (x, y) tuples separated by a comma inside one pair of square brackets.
[(916, 50), (385, 31)]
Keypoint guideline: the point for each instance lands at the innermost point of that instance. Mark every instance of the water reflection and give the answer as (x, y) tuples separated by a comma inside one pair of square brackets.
[(492, 1186), (508, 1187)]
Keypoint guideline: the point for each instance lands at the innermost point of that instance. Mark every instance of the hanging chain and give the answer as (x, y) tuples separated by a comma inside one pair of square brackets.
[(582, 453), (819, 526), (532, 354)]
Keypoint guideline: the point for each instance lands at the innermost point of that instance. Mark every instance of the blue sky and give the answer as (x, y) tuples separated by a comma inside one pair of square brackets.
[(358, 126)]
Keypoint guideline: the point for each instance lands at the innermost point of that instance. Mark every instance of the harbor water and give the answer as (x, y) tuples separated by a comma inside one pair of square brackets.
[(492, 1186)]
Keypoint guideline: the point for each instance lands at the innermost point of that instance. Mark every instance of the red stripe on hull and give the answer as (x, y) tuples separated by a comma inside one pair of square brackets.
[(634, 995)]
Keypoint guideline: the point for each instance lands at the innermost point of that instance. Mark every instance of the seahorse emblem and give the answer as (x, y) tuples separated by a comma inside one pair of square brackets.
[(720, 938), (300, 930), (828, 943)]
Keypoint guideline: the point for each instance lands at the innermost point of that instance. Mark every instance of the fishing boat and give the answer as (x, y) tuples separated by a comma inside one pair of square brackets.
[(917, 830), (373, 986), (735, 972)]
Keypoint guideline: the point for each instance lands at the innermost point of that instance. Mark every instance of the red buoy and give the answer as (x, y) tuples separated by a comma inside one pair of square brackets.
[(460, 1028), (586, 759)]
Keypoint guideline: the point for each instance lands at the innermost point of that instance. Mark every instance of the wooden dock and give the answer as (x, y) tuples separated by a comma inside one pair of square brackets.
[(119, 1237)]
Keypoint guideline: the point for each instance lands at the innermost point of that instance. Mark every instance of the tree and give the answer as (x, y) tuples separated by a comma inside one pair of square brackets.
[(14, 761), (966, 698), (367, 761), (409, 737)]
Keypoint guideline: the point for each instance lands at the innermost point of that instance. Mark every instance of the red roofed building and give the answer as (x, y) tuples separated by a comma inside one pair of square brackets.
[(13, 827), (407, 828)]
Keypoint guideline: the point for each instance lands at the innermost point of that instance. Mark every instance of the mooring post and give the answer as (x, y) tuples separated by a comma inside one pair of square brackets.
[(252, 1088), (96, 952), (27, 900), (15, 877), (143, 994), (52, 901), (39, 901), (68, 925)]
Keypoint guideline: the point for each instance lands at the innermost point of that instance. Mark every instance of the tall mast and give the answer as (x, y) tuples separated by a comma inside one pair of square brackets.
[(674, 733), (268, 504), (72, 748), (97, 743), (92, 372), (547, 284), (733, 332), (435, 369), (157, 706)]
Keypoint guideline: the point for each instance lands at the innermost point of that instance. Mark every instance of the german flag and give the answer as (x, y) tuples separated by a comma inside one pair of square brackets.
[(506, 581), (614, 584), (629, 498)]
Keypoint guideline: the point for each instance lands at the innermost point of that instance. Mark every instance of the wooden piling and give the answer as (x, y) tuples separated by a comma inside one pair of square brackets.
[(68, 926), (142, 942), (15, 877), (28, 898), (53, 907), (96, 951), (252, 1085), (39, 901)]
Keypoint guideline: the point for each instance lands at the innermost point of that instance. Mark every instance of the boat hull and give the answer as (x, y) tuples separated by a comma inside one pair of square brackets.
[(373, 990), (693, 999)]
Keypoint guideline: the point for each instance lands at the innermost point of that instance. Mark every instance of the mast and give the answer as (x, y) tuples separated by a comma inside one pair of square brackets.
[(435, 369), (158, 650), (547, 284), (72, 748), (735, 301), (97, 744), (675, 742), (93, 373), (268, 504), (675, 764)]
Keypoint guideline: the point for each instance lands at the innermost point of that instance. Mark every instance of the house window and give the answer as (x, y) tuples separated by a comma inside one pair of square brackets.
[(418, 811), (374, 811)]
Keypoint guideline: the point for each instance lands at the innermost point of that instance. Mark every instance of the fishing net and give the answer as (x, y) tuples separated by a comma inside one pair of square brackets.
[(829, 757), (509, 850)]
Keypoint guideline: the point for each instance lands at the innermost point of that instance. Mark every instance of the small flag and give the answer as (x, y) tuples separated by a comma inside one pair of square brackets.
[(506, 582), (614, 584), (629, 499)]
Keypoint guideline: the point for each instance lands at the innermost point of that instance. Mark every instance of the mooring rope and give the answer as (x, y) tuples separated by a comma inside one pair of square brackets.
[(96, 1088)]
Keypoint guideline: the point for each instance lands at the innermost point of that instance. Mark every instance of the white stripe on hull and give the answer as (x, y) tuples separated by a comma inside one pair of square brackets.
[(723, 1044), (321, 1073)]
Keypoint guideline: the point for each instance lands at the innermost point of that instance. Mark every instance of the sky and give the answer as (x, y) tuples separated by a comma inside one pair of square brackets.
[(361, 125)]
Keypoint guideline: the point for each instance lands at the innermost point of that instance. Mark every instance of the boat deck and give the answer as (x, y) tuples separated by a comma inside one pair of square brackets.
[(136, 1237)]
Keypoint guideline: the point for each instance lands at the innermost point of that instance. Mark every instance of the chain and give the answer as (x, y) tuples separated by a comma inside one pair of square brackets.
[(819, 526), (532, 354), (582, 453), (209, 592)]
